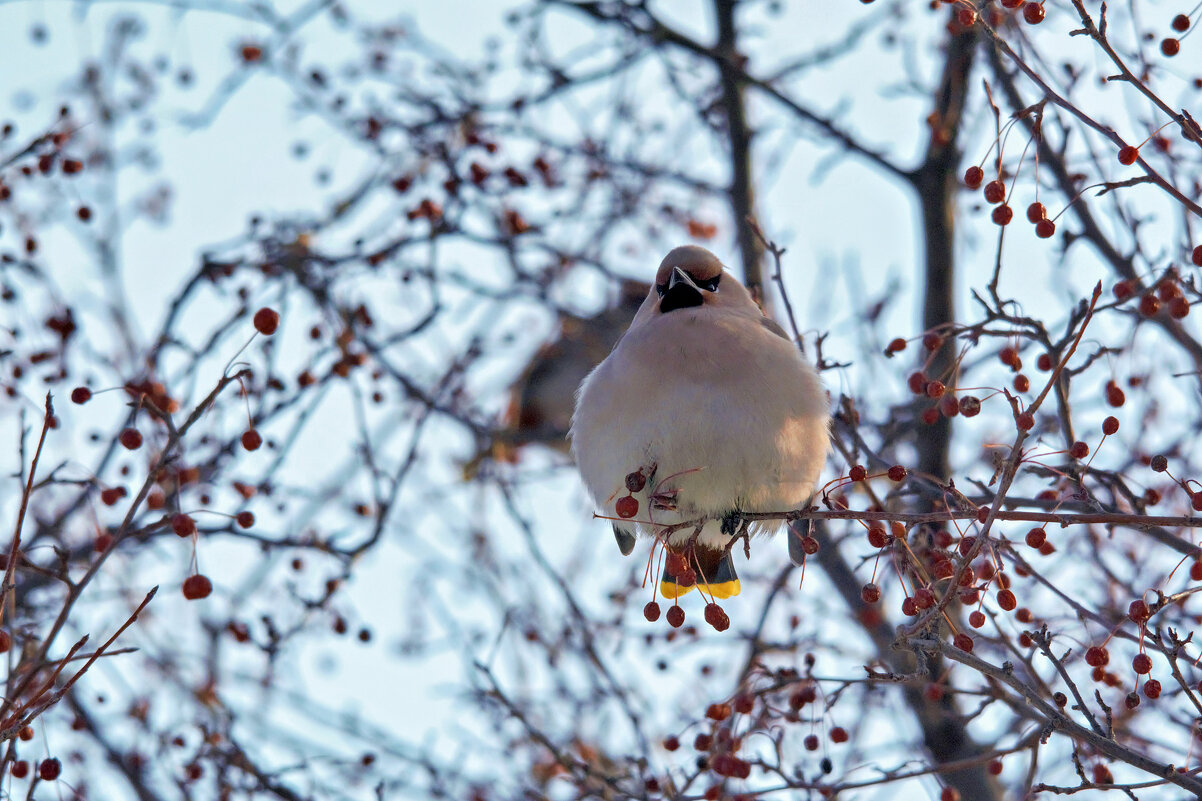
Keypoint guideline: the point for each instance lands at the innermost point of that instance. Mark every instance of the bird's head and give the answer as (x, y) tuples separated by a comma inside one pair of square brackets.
[(691, 277)]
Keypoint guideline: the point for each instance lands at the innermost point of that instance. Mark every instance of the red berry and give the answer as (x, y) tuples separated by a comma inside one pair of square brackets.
[(627, 506), (1009, 357), (245, 519), (1044, 229), (197, 587), (1149, 305), (1181, 23), (131, 439), (839, 735), (716, 616), (1142, 663), (1025, 421), (1115, 397), (1006, 600), (1110, 425), (744, 703), (811, 742), (963, 642), (1033, 13), (917, 383), (1021, 383), (932, 342), (930, 416), (1003, 214), (995, 192), (50, 769), (1170, 46), (267, 321), (1179, 308), (809, 545), (897, 473), (976, 618), (924, 598), (1079, 450), (1152, 688), (718, 712), (870, 593), (1123, 290), (966, 16), (1128, 154), (877, 537), (671, 743), (1195, 571), (994, 767), (183, 525), (949, 406), (81, 395), (970, 405), (20, 769), (1096, 656), (251, 440), (973, 177), (857, 473), (951, 793), (909, 607), (1138, 611), (1036, 212), (935, 389), (1036, 537), (675, 617), (1011, 3), (1196, 256)]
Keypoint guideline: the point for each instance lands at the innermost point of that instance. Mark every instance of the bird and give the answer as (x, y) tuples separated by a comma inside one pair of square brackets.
[(705, 410)]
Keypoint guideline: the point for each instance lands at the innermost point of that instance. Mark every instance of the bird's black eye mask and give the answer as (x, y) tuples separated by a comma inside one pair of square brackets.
[(709, 286)]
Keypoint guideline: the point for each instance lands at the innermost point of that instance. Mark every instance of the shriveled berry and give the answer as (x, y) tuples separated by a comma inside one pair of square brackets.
[(675, 617), (627, 506), (870, 593), (266, 321), (1110, 426), (251, 440), (1142, 664), (1096, 656), (635, 481), (970, 405), (857, 473), (1159, 463), (1115, 395), (995, 192), (1002, 215), (1079, 450), (1138, 611), (716, 616), (973, 177), (197, 587), (131, 439), (81, 395)]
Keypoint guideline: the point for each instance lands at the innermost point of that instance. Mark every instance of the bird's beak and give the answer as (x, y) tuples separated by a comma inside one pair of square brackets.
[(682, 293)]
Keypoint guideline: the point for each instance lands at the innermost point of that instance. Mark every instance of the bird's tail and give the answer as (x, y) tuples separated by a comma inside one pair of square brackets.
[(711, 567)]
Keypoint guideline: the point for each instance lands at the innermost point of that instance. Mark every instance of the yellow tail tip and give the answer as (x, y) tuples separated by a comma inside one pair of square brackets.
[(721, 589)]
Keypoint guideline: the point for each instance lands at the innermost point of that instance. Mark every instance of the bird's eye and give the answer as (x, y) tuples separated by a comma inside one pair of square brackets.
[(661, 289), (710, 285)]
